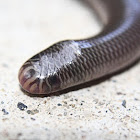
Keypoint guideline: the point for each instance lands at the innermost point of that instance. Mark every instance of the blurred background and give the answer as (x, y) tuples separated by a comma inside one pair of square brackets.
[(109, 110), (28, 25)]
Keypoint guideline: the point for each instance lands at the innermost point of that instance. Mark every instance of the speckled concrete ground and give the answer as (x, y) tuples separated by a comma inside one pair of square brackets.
[(108, 110)]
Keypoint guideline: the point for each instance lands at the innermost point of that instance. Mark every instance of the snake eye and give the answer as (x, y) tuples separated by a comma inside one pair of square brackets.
[(54, 82), (30, 73)]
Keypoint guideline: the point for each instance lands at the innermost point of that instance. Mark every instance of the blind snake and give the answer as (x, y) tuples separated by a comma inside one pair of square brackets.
[(72, 62)]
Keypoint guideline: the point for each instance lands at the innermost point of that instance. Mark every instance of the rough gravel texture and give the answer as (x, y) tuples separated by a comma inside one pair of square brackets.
[(107, 110)]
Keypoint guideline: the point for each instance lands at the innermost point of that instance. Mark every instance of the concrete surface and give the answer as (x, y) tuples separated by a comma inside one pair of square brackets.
[(108, 110)]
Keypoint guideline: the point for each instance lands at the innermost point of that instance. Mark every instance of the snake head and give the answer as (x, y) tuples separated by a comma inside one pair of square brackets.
[(45, 72)]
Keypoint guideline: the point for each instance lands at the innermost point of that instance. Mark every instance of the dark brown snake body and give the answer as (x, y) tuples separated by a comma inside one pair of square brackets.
[(73, 62)]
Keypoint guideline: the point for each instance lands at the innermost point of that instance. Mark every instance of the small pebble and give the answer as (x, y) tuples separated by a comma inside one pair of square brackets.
[(5, 112), (120, 93), (72, 105), (71, 99), (136, 99), (21, 106), (45, 102), (19, 134), (2, 102), (33, 112), (29, 111), (124, 103), (60, 115), (59, 104), (65, 113), (33, 119), (65, 102)]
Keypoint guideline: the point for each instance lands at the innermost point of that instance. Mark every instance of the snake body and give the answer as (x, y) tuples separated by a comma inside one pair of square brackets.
[(72, 62)]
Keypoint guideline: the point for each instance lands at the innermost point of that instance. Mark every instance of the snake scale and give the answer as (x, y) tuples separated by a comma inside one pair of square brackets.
[(72, 62)]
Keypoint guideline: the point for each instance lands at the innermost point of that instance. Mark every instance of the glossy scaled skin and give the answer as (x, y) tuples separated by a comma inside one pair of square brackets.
[(69, 63)]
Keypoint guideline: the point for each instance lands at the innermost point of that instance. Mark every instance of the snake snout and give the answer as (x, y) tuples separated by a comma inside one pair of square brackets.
[(30, 81)]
